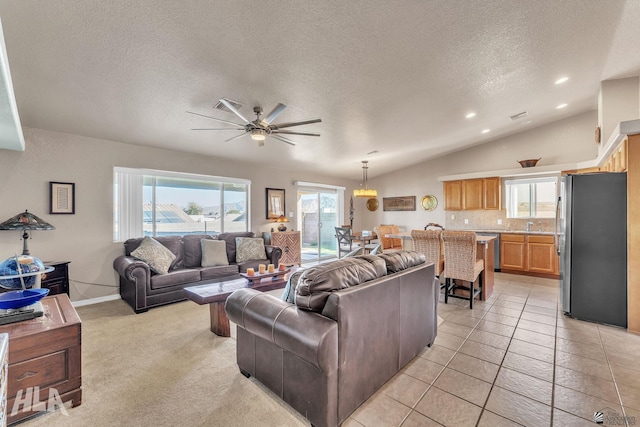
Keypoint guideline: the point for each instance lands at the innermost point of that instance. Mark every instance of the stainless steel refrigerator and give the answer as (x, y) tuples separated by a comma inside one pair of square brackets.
[(592, 244)]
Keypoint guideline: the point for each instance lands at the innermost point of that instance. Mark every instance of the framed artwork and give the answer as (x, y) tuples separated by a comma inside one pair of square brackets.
[(404, 203), (62, 198), (275, 203)]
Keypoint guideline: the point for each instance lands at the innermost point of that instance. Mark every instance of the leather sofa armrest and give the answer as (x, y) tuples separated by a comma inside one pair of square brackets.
[(308, 335), (274, 253), (132, 269)]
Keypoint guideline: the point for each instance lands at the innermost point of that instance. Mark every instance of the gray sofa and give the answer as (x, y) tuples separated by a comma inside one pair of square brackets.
[(142, 289), (355, 323)]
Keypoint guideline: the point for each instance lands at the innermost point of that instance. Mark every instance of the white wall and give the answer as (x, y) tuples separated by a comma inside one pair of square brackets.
[(618, 100), (565, 141), (85, 238)]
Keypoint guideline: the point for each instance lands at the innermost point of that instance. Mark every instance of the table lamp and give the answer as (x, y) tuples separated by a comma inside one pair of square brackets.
[(282, 219), (26, 221)]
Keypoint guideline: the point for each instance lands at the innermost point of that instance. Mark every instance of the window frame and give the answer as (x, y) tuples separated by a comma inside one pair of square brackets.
[(533, 202), (134, 231)]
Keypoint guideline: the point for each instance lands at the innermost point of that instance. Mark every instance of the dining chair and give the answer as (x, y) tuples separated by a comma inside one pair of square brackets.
[(429, 243), (433, 226), (460, 264), (388, 244), (345, 244)]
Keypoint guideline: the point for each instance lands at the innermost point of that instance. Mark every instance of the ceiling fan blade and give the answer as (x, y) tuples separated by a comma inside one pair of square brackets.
[(216, 119), (286, 125), (235, 137), (290, 132), (234, 110), (283, 139), (217, 129), (273, 114)]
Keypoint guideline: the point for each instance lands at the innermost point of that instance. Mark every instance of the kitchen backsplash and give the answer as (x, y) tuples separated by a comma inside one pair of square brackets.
[(488, 220)]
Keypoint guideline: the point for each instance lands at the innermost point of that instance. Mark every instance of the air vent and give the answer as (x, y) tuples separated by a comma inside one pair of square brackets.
[(372, 152), (220, 106), (519, 116)]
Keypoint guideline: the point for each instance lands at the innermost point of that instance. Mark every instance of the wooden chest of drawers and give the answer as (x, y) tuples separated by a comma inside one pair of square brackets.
[(44, 352), (289, 241)]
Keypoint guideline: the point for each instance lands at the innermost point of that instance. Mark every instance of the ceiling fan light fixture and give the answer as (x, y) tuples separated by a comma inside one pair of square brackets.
[(365, 191), (258, 134)]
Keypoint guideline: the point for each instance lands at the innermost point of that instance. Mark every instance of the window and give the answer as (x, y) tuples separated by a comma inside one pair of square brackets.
[(159, 203), (531, 198)]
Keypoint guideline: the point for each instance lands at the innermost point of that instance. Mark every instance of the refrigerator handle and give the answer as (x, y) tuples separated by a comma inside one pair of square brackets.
[(556, 237)]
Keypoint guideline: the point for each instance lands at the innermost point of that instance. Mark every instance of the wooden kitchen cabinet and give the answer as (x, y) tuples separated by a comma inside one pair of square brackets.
[(513, 252), (472, 194), (452, 195), (491, 193), (529, 253), (541, 254)]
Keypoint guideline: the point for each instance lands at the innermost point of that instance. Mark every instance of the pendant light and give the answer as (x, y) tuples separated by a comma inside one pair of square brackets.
[(365, 191)]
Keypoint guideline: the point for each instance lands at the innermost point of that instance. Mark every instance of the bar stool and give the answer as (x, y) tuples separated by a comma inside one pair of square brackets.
[(460, 263), (429, 243)]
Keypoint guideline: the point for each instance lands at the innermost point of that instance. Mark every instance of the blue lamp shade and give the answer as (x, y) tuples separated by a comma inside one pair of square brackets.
[(26, 221)]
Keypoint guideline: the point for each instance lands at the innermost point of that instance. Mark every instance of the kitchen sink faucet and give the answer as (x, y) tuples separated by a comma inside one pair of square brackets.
[(529, 224)]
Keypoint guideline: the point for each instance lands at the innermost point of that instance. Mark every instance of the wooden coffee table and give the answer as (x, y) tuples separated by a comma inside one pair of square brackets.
[(215, 294)]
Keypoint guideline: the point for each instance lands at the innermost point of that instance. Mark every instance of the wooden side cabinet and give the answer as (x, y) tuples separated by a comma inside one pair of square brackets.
[(530, 253), (472, 194), (491, 193), (541, 255), (57, 281), (452, 195), (513, 252), (45, 352), (289, 241)]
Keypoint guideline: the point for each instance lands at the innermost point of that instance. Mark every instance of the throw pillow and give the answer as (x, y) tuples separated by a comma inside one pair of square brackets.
[(155, 254), (214, 253), (289, 293), (250, 249)]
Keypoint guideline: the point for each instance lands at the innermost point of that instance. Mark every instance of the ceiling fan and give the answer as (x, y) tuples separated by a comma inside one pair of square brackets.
[(260, 128)]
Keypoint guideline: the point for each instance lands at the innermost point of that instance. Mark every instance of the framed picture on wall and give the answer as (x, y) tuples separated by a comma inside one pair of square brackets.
[(275, 203), (62, 198)]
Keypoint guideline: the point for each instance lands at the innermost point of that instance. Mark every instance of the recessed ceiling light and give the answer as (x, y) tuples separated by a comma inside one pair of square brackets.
[(562, 80), (486, 131), (470, 115), (526, 122), (561, 106)]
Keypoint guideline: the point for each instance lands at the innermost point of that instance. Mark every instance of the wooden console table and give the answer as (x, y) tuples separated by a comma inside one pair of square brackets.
[(45, 352), (289, 241)]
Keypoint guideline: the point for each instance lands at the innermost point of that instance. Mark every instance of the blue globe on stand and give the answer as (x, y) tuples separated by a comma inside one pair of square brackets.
[(28, 266)]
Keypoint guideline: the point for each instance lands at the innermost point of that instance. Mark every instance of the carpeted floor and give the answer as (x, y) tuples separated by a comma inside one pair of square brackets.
[(163, 368)]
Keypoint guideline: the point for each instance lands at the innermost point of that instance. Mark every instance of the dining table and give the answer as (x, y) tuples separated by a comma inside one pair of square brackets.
[(484, 251), (364, 239)]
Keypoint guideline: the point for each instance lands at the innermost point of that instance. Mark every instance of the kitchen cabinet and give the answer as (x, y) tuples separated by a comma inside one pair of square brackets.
[(472, 194), (529, 253), (513, 252), (452, 195)]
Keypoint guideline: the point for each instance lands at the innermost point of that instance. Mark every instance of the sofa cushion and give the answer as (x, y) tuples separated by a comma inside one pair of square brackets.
[(289, 293), (401, 260), (249, 249), (173, 243), (317, 283), (155, 254), (193, 249), (221, 271), (214, 253), (174, 278), (230, 238)]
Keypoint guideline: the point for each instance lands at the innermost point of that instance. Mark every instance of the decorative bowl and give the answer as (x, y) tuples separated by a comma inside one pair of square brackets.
[(529, 163), (17, 299)]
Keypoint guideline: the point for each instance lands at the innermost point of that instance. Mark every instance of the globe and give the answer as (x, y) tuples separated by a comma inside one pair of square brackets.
[(28, 266)]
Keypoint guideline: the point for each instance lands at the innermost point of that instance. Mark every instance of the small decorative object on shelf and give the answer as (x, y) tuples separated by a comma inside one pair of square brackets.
[(256, 278), (281, 220)]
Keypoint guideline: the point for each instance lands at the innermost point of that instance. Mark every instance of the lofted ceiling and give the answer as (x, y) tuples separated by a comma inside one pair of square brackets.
[(397, 78)]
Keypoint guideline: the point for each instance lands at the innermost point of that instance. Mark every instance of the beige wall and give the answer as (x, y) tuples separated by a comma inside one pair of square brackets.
[(618, 100), (85, 238), (565, 141)]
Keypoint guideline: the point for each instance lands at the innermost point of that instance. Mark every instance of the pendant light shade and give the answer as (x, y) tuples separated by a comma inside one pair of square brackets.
[(365, 191)]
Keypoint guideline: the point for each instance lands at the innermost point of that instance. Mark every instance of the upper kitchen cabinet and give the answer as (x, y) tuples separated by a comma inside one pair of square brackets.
[(472, 194), (452, 195)]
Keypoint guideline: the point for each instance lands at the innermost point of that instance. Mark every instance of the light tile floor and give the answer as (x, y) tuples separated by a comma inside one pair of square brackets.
[(514, 359)]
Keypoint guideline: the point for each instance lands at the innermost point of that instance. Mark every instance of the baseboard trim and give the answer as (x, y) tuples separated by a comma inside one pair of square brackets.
[(97, 300)]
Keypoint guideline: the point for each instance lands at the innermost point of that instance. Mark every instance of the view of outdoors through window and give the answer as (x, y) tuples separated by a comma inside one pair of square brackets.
[(178, 206), (531, 198), (318, 217)]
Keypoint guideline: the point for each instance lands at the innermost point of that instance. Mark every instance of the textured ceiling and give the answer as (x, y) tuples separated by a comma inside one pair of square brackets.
[(396, 77)]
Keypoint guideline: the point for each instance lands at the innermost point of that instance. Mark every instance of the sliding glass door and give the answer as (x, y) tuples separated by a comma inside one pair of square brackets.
[(319, 214)]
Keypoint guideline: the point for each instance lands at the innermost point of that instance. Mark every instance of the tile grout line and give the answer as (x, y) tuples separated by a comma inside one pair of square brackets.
[(613, 376)]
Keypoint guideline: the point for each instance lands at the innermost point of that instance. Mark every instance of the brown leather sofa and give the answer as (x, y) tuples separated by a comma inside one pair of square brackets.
[(362, 322), (142, 289)]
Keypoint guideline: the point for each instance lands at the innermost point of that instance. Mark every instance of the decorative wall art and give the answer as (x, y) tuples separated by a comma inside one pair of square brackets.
[(62, 198), (429, 202), (404, 203), (275, 203)]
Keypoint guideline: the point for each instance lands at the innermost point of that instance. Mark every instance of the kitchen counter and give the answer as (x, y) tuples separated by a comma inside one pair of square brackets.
[(548, 233)]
